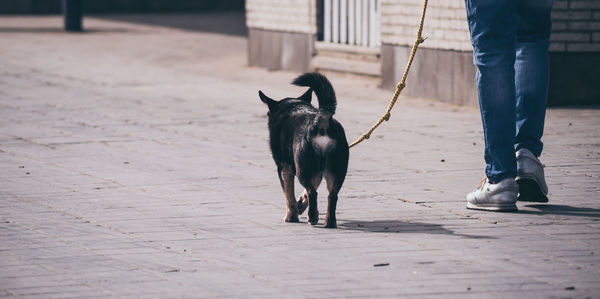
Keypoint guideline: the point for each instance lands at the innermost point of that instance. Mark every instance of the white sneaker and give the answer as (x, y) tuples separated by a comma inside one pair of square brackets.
[(530, 177), (494, 197)]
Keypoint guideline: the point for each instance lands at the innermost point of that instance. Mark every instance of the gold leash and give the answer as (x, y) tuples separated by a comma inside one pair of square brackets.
[(401, 84)]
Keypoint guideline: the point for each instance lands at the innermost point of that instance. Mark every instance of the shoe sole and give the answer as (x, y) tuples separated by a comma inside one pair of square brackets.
[(530, 191), (493, 207)]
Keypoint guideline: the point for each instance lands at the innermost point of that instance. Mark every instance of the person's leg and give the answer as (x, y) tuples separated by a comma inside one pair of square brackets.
[(532, 72), (492, 24), (531, 83)]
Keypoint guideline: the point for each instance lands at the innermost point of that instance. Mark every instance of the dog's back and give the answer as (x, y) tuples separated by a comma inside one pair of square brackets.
[(295, 125)]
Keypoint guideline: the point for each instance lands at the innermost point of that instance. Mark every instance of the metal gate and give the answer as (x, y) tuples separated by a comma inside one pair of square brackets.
[(352, 22)]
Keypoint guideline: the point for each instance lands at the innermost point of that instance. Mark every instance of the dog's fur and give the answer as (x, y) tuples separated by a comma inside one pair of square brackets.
[(308, 143)]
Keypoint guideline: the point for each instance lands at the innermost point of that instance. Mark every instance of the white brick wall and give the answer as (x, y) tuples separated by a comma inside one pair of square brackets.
[(575, 28), (576, 23), (445, 23), (282, 15)]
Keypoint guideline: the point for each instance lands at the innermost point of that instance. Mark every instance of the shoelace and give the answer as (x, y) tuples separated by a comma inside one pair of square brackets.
[(482, 183)]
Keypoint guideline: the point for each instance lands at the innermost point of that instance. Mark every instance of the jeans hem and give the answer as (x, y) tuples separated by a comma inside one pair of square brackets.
[(500, 177)]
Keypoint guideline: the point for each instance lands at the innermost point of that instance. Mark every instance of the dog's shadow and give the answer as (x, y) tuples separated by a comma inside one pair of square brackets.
[(401, 227)]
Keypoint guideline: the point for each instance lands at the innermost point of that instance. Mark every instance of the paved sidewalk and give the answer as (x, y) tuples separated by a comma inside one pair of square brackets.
[(134, 162)]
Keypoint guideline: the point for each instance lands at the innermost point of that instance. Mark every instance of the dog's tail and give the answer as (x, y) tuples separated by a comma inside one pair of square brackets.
[(322, 88)]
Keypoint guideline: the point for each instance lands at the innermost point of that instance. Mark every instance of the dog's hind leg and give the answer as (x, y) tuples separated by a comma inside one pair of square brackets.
[(313, 212), (330, 220), (333, 186), (286, 177), (335, 175)]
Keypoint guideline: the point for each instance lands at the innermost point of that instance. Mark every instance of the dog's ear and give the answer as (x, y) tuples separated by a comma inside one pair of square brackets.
[(265, 99), (307, 96)]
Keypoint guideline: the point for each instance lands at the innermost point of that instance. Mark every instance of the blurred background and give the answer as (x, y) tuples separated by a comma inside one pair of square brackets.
[(368, 38), (119, 6)]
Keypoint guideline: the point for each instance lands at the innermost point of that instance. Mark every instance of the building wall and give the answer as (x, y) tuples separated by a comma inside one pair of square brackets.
[(282, 15), (576, 23), (575, 28), (574, 51), (280, 30), (281, 33), (29, 6), (118, 6), (445, 24)]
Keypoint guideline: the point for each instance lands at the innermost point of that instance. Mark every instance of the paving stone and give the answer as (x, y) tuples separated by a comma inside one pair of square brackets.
[(134, 162)]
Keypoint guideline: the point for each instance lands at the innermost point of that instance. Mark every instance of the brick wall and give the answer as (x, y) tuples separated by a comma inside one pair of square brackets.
[(282, 15), (30, 6), (576, 24), (448, 71), (445, 23)]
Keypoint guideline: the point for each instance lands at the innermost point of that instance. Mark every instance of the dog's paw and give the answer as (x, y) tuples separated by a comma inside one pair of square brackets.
[(291, 218), (313, 218), (291, 215), (330, 222)]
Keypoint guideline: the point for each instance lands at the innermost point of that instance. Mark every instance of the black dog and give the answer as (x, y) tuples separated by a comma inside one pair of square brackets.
[(309, 143)]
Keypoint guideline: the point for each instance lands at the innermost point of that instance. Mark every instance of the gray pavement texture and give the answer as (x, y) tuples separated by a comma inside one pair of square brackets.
[(134, 163)]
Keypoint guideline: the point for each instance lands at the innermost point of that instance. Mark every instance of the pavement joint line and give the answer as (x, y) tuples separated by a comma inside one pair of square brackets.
[(54, 270), (161, 245), (180, 107)]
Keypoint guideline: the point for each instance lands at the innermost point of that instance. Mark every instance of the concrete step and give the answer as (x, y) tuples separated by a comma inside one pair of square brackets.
[(347, 59)]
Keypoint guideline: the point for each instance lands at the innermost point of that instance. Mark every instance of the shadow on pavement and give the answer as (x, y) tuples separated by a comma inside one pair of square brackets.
[(229, 23), (562, 210), (396, 226)]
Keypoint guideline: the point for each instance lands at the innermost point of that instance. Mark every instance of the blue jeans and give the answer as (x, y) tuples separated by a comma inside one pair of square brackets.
[(510, 50)]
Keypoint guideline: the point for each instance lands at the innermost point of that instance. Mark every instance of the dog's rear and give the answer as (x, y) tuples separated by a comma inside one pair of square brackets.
[(309, 143)]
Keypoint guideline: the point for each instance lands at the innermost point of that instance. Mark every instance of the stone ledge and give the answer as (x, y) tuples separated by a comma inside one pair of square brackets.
[(276, 50), (449, 76)]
